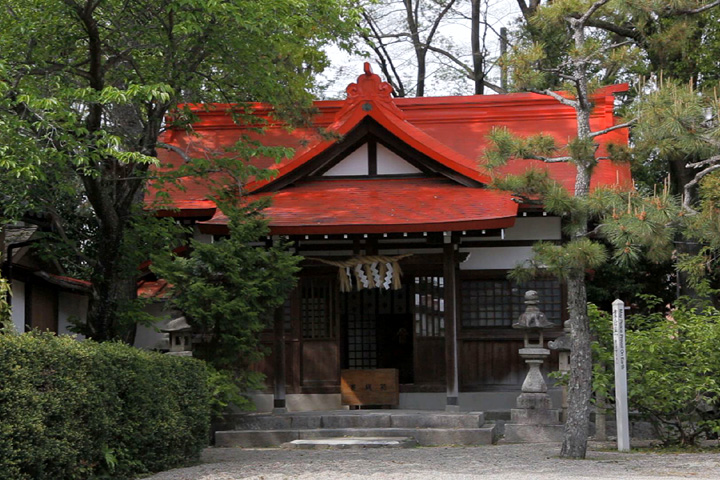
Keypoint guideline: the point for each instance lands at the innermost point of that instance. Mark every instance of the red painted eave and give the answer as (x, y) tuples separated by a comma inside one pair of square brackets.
[(380, 206)]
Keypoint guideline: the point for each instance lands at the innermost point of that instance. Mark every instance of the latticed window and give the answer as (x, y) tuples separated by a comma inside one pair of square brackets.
[(429, 306), (317, 308), (498, 303)]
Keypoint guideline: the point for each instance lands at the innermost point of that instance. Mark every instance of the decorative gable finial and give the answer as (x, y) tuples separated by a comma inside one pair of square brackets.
[(369, 86), (369, 92)]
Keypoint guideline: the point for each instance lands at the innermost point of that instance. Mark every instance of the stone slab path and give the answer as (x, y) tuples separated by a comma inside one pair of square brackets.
[(507, 462)]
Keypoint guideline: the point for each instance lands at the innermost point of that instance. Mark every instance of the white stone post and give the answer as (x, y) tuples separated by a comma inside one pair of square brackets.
[(621, 402)]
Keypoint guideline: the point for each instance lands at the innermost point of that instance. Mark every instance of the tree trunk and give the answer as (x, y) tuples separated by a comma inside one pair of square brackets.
[(580, 384), (477, 54)]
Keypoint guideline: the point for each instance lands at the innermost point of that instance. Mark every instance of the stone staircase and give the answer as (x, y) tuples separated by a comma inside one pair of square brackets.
[(428, 428)]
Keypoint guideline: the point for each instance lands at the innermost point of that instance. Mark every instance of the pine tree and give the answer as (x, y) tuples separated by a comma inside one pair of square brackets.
[(633, 225)]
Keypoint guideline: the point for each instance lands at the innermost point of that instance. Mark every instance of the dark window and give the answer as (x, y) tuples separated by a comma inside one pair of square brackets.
[(429, 306), (498, 303), (317, 308)]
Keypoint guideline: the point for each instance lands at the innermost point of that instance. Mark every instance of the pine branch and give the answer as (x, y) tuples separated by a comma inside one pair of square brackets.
[(591, 11), (557, 72), (711, 140), (607, 48), (549, 159), (556, 96), (628, 32), (693, 11), (702, 163), (614, 127), (687, 197)]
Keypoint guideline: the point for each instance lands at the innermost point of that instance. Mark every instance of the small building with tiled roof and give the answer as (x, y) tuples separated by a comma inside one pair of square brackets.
[(378, 185), (42, 297)]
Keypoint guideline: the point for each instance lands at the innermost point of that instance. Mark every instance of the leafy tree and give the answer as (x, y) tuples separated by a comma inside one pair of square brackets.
[(5, 313), (86, 86), (671, 363), (229, 289)]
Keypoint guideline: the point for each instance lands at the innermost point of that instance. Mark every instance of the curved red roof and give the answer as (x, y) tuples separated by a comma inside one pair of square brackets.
[(381, 206), (450, 131)]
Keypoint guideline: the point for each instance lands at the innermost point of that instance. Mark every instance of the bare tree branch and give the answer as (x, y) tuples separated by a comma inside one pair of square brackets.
[(175, 149), (436, 23)]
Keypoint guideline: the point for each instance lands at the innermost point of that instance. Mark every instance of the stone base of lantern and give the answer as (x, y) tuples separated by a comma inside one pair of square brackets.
[(534, 409), (518, 433)]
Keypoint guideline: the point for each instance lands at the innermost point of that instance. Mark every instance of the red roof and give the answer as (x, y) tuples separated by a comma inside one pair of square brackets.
[(449, 131), (382, 206), (153, 288)]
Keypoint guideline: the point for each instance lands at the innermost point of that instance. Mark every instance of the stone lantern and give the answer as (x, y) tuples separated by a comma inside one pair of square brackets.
[(533, 420), (180, 333)]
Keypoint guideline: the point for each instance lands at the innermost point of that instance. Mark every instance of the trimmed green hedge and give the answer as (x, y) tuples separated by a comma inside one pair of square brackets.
[(77, 410)]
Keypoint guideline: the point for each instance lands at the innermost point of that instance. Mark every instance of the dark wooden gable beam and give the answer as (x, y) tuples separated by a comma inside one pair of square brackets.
[(415, 158), (371, 132)]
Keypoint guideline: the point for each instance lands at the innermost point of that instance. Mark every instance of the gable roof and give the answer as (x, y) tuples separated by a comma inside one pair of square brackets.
[(447, 133)]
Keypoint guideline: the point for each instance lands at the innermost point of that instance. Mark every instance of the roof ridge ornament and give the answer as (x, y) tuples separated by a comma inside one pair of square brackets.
[(369, 85), (369, 91)]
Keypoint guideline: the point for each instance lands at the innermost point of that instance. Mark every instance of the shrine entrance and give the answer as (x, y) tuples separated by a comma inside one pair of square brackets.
[(377, 330)]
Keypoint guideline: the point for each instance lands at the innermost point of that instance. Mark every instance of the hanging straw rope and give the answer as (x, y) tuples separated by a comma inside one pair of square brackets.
[(372, 271)]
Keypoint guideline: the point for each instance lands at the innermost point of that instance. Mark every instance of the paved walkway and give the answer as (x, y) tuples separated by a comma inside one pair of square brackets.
[(507, 462)]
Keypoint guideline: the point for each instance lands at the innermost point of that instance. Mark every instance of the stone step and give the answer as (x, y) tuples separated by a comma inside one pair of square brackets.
[(351, 419), (351, 442), (423, 436)]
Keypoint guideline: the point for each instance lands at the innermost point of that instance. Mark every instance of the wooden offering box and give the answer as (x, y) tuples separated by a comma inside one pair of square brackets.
[(370, 387)]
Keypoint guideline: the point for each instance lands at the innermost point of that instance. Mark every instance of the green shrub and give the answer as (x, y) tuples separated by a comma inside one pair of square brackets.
[(76, 410), (673, 365)]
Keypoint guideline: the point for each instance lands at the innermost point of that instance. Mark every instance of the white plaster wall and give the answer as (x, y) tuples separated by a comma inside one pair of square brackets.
[(18, 305), (202, 237), (354, 164), (388, 163), (71, 305), (150, 337), (495, 258), (535, 228)]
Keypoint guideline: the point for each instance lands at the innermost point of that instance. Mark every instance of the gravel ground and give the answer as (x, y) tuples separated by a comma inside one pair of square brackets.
[(507, 462)]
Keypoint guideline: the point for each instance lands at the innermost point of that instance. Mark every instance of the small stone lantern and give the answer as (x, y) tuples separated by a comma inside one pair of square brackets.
[(534, 419), (180, 333)]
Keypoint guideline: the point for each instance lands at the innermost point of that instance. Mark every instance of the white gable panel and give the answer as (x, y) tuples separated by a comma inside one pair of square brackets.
[(388, 163), (18, 305), (354, 164)]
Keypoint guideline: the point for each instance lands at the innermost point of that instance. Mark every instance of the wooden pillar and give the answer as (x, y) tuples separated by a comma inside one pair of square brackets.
[(451, 347), (279, 367)]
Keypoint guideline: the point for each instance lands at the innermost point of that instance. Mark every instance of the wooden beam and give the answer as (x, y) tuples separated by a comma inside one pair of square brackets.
[(279, 367), (450, 267), (372, 157)]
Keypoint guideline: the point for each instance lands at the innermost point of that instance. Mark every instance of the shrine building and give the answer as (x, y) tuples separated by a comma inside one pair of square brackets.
[(406, 249)]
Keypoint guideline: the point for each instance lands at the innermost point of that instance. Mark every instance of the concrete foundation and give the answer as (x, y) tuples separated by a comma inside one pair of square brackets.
[(468, 401)]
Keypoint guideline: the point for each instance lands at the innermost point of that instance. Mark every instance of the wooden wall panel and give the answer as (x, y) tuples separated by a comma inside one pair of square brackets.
[(43, 307), (488, 363), (430, 360), (320, 362)]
